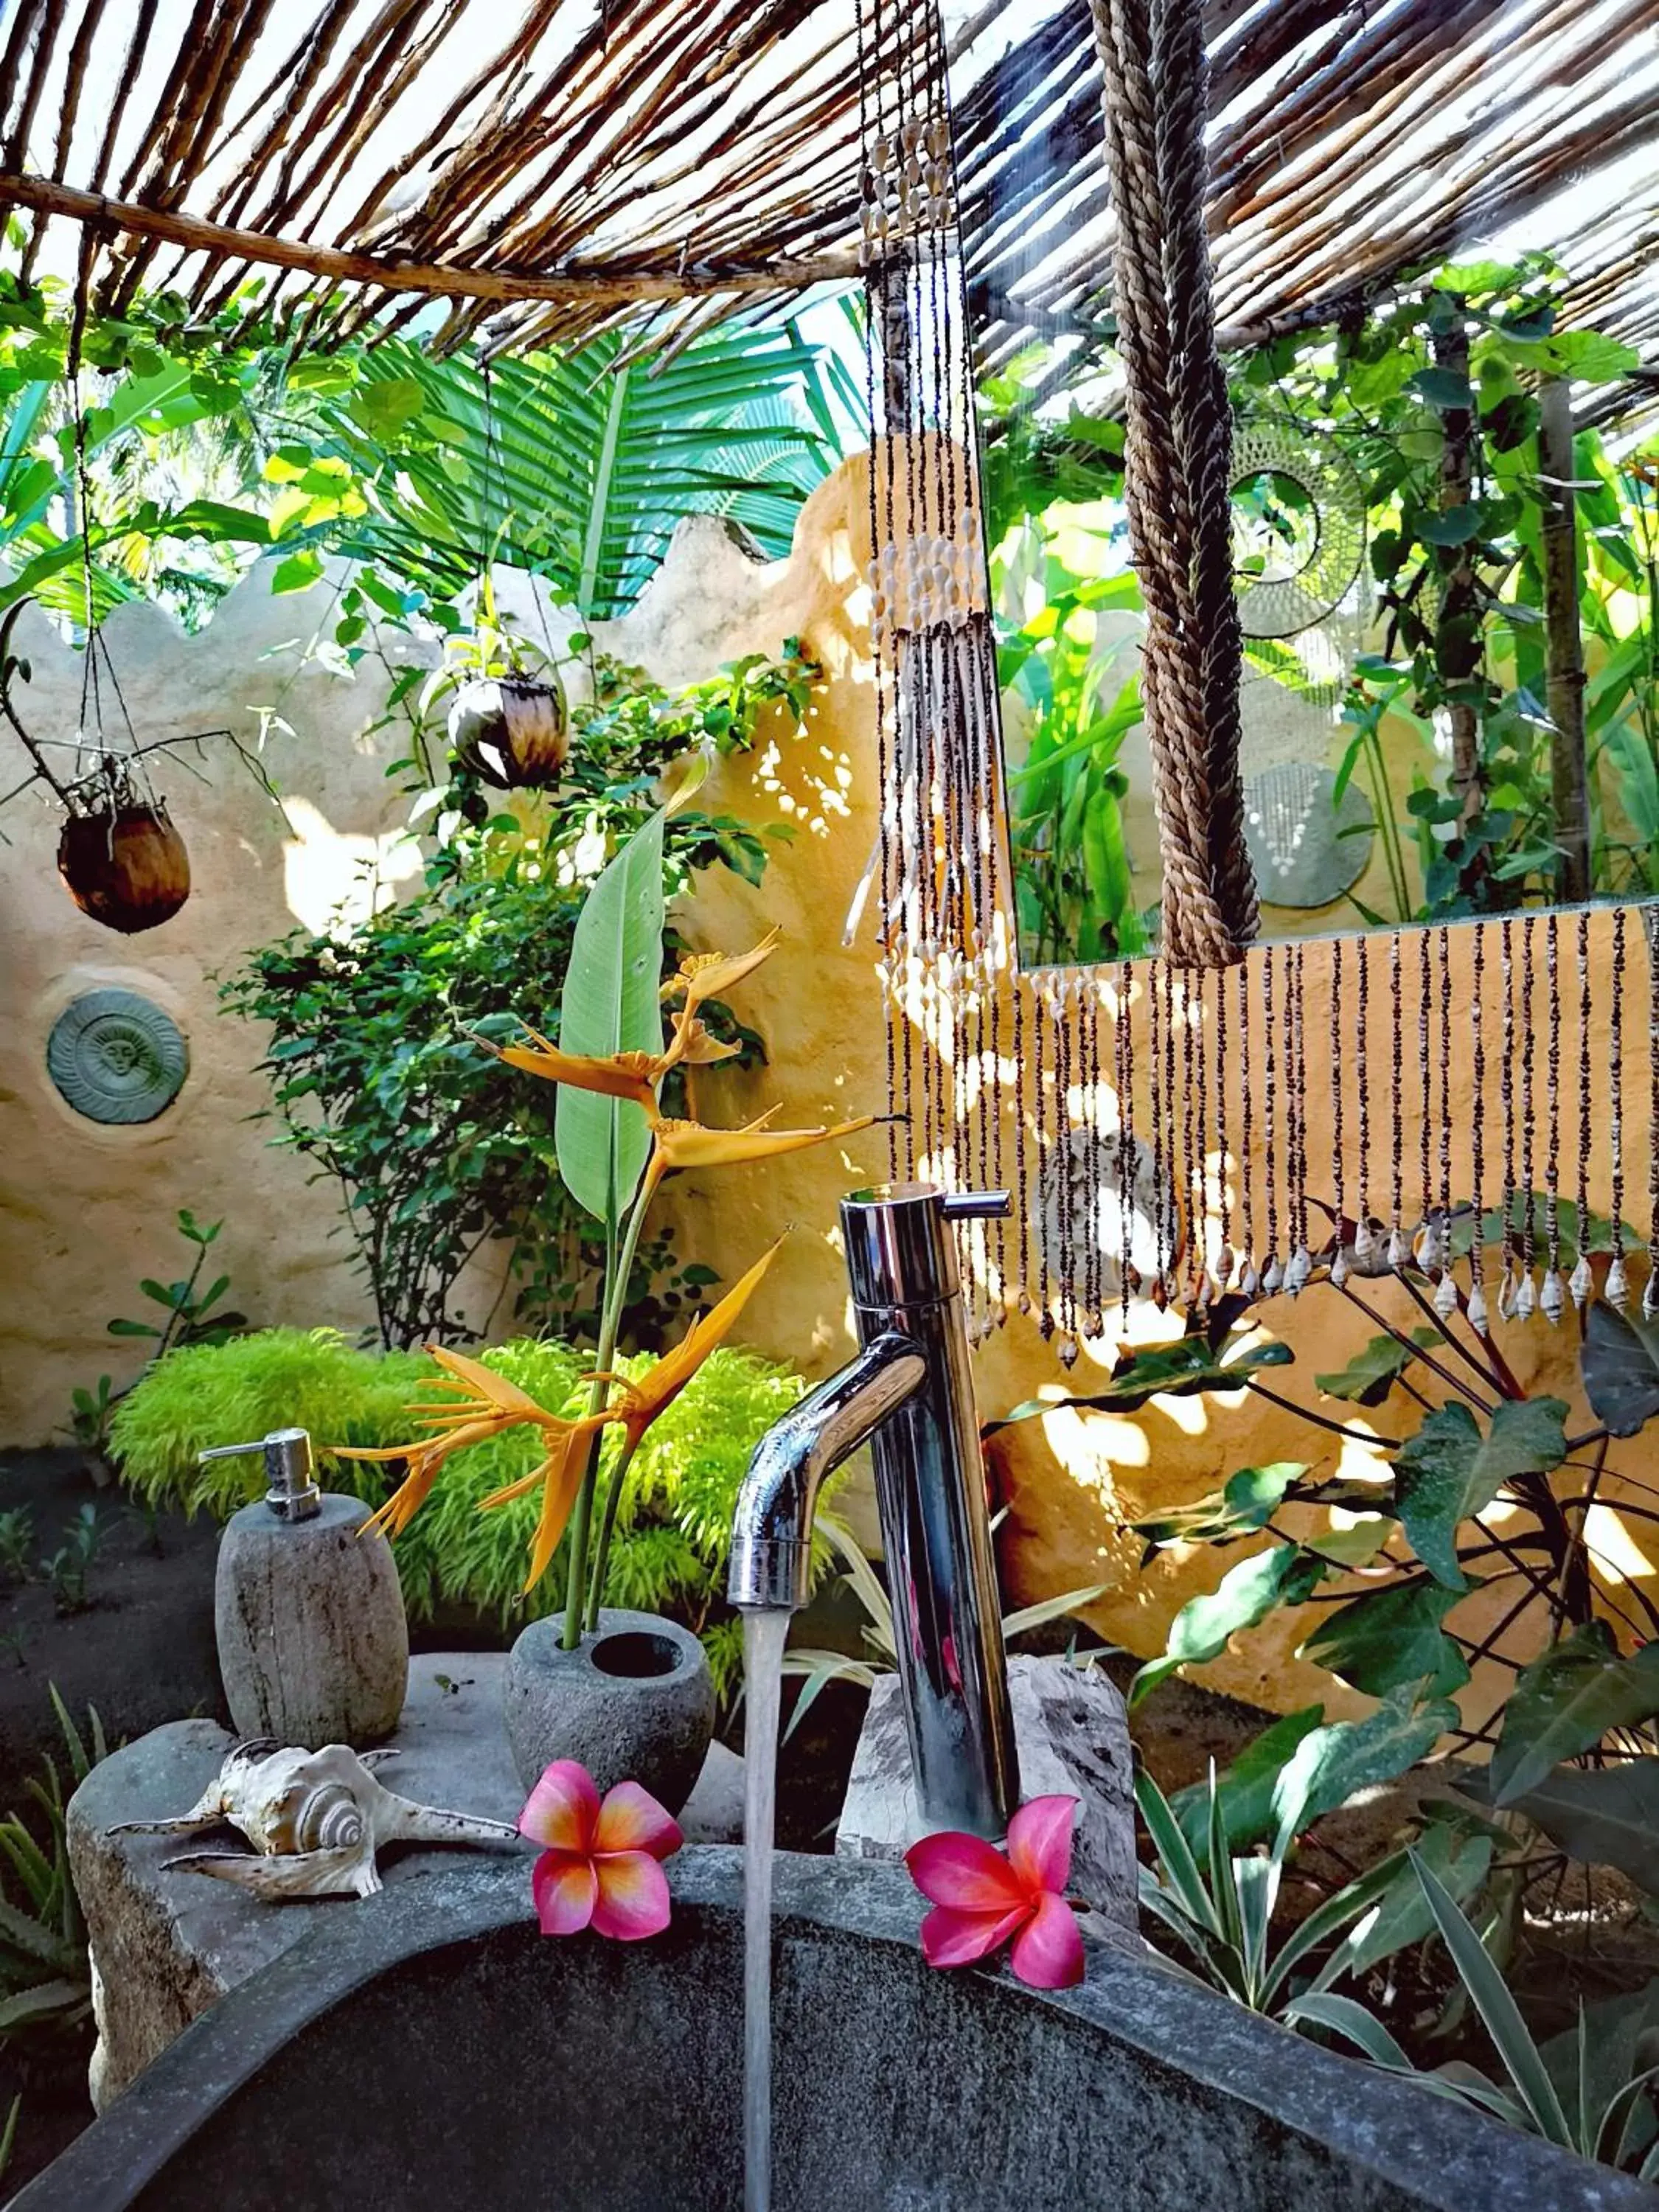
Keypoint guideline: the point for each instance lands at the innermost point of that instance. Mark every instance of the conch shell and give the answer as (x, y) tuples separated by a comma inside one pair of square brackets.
[(315, 1819)]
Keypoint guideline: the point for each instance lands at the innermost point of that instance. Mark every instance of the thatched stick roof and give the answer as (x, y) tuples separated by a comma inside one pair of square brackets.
[(549, 166)]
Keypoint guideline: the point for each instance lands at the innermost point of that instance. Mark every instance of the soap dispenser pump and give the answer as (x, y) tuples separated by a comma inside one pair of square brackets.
[(313, 1642)]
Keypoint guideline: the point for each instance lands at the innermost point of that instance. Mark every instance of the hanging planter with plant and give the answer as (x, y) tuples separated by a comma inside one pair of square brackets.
[(512, 729), (121, 858), (118, 853)]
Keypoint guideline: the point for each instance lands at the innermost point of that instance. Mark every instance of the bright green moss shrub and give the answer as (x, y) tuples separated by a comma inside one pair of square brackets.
[(673, 1529)]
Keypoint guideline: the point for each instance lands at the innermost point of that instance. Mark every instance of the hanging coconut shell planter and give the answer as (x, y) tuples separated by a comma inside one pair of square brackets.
[(123, 863), (511, 731)]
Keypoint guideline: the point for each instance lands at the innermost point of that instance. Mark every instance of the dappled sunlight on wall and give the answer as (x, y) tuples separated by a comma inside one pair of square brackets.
[(335, 878)]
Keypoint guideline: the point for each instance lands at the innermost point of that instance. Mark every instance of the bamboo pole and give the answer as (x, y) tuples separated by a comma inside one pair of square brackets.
[(49, 197), (1564, 644)]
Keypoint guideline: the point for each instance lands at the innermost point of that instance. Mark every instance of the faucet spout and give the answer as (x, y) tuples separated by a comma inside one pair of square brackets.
[(770, 1568), (910, 1391)]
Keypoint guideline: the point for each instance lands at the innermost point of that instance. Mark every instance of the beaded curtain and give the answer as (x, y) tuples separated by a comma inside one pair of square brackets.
[(1232, 1118)]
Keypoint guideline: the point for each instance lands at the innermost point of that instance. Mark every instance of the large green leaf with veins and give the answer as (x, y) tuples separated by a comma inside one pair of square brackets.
[(1566, 1701), (1452, 1469), (1389, 1636), (1283, 1575)]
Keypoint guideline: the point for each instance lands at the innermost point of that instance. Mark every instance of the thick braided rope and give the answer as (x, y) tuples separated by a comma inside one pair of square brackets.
[(1178, 453)]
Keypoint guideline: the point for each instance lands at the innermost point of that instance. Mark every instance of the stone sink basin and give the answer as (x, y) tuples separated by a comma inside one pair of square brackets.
[(435, 2051)]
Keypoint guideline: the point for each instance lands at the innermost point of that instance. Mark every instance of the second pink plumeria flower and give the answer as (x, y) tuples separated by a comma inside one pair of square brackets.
[(981, 1900), (601, 1868)]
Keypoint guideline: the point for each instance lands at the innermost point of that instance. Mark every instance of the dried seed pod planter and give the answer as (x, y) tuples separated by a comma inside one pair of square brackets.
[(513, 730), (124, 864)]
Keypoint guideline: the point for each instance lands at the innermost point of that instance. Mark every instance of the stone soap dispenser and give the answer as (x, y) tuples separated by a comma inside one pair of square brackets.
[(314, 1643)]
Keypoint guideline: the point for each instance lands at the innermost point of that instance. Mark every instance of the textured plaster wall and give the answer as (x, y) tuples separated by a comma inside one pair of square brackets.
[(82, 1214)]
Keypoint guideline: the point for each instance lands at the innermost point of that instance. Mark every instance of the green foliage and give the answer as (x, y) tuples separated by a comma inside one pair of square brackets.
[(209, 446), (1218, 1905), (1425, 1534), (90, 1414), (1575, 1693), (16, 1542), (189, 1309), (379, 1080), (1614, 2128), (611, 1005), (1451, 1471), (45, 1979), (1047, 488), (675, 1517), (67, 1568)]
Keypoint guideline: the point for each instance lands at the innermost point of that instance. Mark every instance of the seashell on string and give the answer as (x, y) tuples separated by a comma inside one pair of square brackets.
[(1526, 1299), (1552, 1295), (1477, 1308), (1650, 1294), (1445, 1295), (1339, 1267), (1582, 1281), (315, 1819), (1507, 1298), (1298, 1270), (1249, 1279), (1225, 1263), (1399, 1250), (1365, 1246), (1273, 1276), (1617, 1291)]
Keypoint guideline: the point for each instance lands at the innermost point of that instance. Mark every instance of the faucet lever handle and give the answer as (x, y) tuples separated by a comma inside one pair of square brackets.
[(977, 1205)]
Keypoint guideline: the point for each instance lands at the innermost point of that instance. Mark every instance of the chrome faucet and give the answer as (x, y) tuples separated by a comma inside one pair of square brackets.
[(909, 1392)]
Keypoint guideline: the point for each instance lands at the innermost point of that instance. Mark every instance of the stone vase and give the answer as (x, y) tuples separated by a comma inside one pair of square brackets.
[(635, 1701)]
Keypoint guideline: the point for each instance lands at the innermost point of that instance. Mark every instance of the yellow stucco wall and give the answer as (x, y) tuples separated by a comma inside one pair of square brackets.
[(82, 1214)]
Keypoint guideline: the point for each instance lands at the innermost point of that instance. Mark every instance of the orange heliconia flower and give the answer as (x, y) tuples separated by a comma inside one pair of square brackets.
[(484, 1405), (639, 1403)]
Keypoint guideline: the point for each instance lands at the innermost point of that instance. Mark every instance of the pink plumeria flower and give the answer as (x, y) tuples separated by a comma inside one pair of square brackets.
[(601, 1868), (982, 1900)]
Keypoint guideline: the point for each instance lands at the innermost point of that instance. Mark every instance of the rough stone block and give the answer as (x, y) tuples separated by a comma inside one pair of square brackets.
[(1073, 1738), (166, 1946)]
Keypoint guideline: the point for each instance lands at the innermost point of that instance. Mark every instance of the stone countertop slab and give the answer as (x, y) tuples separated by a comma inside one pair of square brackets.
[(165, 1946)]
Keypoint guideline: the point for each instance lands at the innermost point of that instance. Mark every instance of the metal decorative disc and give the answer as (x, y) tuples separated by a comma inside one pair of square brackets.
[(116, 1057), (1298, 512), (1305, 852), (1094, 1180)]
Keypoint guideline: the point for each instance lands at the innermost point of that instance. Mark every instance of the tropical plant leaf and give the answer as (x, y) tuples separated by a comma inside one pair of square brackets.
[(1498, 2010), (1331, 1763), (1461, 1861), (1451, 1471), (1619, 1360), (1374, 1370), (1245, 1788), (1391, 1636), (1243, 1507), (1604, 1815), (569, 466), (1283, 1575), (1566, 1701), (1180, 1369), (611, 1004)]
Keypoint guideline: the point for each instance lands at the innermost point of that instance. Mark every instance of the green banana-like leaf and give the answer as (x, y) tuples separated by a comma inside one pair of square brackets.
[(612, 1004)]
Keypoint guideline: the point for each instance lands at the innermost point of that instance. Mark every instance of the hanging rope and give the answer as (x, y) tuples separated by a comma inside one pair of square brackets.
[(1178, 448)]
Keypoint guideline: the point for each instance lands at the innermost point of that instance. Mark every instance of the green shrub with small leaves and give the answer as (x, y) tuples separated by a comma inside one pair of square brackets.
[(673, 1527)]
